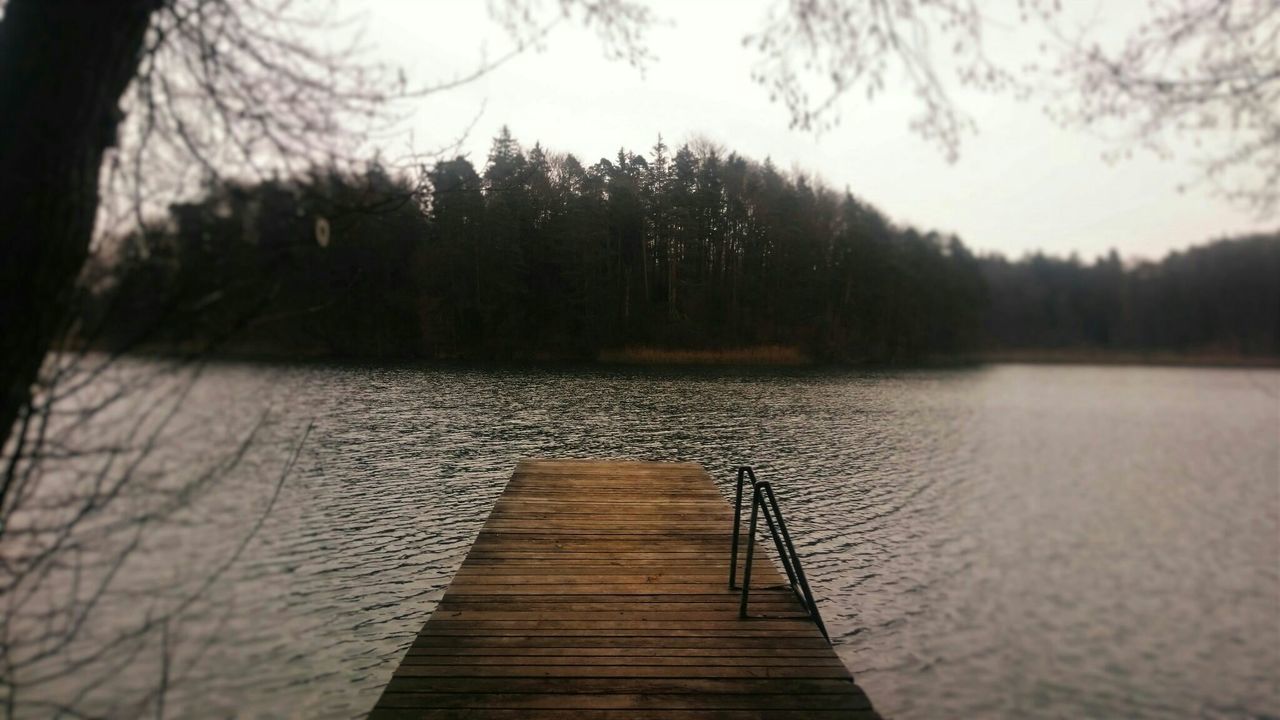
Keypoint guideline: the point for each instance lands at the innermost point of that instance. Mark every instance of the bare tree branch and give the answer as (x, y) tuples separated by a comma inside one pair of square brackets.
[(1200, 78)]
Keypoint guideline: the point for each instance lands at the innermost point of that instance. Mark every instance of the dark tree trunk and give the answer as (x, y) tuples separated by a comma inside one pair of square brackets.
[(63, 66)]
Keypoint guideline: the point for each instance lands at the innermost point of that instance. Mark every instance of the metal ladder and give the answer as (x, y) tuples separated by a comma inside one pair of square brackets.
[(764, 502)]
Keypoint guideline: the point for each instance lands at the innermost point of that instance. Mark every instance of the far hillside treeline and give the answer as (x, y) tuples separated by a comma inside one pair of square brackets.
[(536, 255)]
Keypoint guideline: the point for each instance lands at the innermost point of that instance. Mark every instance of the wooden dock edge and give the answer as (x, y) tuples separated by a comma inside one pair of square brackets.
[(599, 589)]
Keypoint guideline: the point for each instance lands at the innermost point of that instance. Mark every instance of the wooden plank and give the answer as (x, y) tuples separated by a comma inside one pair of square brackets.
[(667, 714), (629, 612), (625, 671), (619, 701), (600, 661), (446, 609), (604, 641), (606, 686), (599, 588), (590, 564), (654, 595), (626, 651)]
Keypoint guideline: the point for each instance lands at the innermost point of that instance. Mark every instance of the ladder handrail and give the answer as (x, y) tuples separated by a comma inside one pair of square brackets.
[(763, 500), (783, 555), (743, 471)]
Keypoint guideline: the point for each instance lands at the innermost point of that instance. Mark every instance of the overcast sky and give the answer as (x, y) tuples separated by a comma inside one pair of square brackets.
[(1021, 183)]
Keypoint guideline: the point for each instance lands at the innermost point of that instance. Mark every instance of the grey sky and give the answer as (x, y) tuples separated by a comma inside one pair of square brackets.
[(1021, 183)]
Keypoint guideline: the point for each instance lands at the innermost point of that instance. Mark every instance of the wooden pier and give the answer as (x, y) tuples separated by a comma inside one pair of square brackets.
[(600, 590)]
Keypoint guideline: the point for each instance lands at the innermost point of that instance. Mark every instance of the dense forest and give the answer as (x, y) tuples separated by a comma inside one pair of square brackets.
[(537, 255), (1218, 301)]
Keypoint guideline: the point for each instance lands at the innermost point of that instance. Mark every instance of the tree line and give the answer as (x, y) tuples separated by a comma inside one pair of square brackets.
[(1220, 299), (537, 255)]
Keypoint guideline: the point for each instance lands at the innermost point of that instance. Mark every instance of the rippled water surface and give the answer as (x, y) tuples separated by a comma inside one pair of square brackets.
[(1011, 541)]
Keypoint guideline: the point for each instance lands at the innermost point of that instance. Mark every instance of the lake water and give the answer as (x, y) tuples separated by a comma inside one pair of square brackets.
[(1008, 541)]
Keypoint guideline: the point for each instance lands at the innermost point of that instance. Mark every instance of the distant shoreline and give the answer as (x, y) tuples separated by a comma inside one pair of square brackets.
[(772, 355), (1123, 357), (746, 356), (790, 356)]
